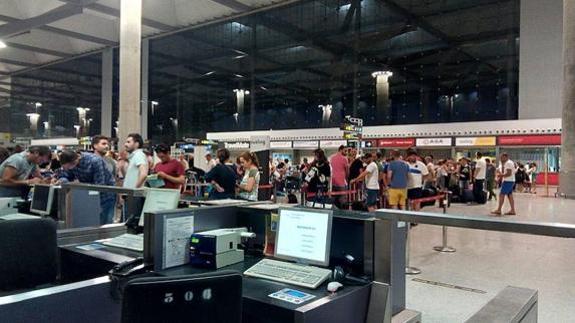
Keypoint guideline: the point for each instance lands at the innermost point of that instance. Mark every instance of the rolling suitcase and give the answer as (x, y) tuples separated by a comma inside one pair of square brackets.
[(468, 196)]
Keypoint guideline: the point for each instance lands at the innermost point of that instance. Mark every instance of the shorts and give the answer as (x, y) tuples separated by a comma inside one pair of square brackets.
[(371, 199), (414, 193), (507, 188), (397, 196)]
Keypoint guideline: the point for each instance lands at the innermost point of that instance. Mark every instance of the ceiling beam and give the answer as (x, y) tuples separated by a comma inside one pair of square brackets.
[(67, 33), (17, 63), (116, 13), (25, 25), (234, 5), (428, 27), (38, 50)]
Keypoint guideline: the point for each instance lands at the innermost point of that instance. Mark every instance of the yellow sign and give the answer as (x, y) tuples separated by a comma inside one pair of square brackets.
[(475, 141), (5, 138)]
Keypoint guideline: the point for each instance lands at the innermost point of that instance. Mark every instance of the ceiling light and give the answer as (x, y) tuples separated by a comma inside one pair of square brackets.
[(208, 73), (381, 73), (238, 75), (2, 44)]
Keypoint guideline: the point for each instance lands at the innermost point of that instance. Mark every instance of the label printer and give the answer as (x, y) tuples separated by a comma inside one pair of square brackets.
[(217, 248)]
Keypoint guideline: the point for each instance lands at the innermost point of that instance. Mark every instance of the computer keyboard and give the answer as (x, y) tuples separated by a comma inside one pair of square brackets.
[(18, 216), (289, 273), (127, 241)]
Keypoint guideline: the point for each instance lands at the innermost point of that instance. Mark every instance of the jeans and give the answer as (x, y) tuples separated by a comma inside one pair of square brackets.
[(108, 210), (478, 188)]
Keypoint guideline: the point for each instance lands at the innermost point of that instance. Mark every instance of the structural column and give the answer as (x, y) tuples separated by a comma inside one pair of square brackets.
[(382, 94), (107, 83), (130, 69), (145, 100), (567, 175)]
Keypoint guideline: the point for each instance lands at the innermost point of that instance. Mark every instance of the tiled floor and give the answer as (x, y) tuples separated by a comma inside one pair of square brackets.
[(489, 261)]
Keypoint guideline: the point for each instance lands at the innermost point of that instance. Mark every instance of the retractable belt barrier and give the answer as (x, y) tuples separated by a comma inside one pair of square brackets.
[(445, 197)]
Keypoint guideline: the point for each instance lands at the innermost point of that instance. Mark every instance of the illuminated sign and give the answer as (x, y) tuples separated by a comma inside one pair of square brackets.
[(530, 140), (237, 145), (396, 142), (432, 142), (332, 143), (475, 141), (280, 144), (306, 144)]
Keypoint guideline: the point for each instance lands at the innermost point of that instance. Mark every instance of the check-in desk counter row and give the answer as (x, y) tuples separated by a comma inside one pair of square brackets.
[(84, 264)]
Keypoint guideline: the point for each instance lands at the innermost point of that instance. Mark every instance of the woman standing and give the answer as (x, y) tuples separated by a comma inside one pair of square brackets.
[(248, 187), (222, 176), (319, 174)]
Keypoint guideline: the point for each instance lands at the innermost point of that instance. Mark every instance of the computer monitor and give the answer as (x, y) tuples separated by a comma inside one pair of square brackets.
[(203, 298), (159, 199), (42, 199), (304, 235)]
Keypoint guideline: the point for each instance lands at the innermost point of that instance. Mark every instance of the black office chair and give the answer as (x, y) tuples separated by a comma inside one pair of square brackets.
[(203, 298), (28, 253)]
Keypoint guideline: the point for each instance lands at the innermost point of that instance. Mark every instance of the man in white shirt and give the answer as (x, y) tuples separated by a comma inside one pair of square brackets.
[(418, 173), (507, 176), (479, 176), (210, 161), (137, 162), (371, 175)]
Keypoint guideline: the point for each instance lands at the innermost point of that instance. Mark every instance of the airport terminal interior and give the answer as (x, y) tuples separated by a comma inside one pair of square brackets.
[(279, 161)]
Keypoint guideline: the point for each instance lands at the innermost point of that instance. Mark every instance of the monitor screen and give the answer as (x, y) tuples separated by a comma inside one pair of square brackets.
[(42, 199), (159, 200), (304, 236)]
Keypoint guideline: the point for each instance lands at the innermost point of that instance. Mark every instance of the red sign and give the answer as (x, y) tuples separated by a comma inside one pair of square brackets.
[(396, 142), (529, 140)]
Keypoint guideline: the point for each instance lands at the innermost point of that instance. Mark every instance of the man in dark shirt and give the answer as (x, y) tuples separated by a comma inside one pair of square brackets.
[(223, 176), (355, 166), (169, 169), (90, 169)]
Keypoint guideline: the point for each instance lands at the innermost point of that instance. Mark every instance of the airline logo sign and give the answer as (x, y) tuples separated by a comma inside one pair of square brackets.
[(399, 142), (237, 145), (280, 144), (259, 143), (306, 144), (530, 140), (332, 143), (475, 141), (432, 142)]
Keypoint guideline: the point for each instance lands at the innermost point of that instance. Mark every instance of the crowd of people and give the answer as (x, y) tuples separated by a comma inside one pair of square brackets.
[(391, 181), (385, 181)]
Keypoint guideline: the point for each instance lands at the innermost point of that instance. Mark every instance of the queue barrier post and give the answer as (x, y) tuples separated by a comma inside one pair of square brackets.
[(409, 270), (444, 245)]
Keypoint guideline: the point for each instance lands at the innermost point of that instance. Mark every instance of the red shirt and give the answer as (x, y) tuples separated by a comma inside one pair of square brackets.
[(339, 166), (173, 168)]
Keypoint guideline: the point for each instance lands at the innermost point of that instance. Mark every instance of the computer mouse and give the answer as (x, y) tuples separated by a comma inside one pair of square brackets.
[(334, 287)]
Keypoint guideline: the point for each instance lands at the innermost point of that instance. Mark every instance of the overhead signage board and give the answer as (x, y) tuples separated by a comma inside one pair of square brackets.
[(352, 128), (544, 140), (433, 142), (475, 141), (259, 143), (306, 144), (396, 142), (367, 144), (332, 143), (237, 145), (280, 144)]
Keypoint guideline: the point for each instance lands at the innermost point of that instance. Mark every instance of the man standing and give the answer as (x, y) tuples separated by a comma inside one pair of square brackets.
[(90, 169), (490, 178), (397, 173), (21, 169), (417, 175), (339, 173), (479, 176), (371, 175), (101, 146), (355, 164), (137, 162), (507, 176), (211, 161), (168, 169)]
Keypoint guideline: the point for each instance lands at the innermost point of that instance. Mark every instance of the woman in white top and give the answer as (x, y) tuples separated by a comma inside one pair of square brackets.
[(248, 187)]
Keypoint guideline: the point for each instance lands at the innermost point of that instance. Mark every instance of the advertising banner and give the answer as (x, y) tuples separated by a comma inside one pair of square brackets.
[(544, 140), (396, 142), (475, 141), (433, 142)]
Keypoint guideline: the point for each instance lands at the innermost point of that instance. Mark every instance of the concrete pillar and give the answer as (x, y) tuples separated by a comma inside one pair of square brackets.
[(144, 100), (130, 69), (240, 100), (567, 175), (540, 61), (107, 83), (382, 94)]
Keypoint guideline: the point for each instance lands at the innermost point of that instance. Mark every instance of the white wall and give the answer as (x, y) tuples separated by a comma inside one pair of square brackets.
[(540, 59)]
